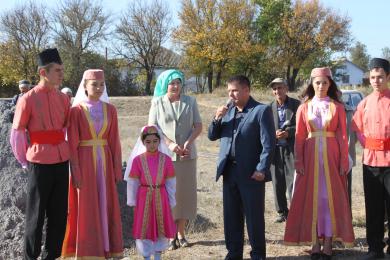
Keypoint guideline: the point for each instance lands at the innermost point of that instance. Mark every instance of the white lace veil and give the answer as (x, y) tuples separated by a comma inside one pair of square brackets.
[(81, 96), (139, 148)]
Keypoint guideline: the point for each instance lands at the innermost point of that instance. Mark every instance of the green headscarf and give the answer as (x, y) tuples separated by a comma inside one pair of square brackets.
[(164, 79)]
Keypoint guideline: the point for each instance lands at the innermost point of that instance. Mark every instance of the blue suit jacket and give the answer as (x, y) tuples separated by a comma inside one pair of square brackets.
[(254, 143)]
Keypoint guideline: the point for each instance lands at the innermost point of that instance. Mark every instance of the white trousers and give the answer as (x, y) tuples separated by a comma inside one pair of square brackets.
[(148, 247)]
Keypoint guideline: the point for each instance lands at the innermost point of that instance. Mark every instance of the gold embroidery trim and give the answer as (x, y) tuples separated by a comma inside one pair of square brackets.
[(322, 135), (149, 195), (160, 217), (148, 198), (96, 138)]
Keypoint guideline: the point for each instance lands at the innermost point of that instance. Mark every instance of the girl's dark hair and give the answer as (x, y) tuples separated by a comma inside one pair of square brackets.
[(333, 91), (144, 135)]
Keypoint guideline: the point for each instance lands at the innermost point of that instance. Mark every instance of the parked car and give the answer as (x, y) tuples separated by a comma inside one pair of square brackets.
[(352, 97)]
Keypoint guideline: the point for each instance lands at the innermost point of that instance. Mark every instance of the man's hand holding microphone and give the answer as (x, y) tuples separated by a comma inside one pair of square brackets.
[(222, 110)]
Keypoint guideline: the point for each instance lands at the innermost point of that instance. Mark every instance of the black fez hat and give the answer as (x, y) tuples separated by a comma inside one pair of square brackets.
[(24, 82), (380, 63), (48, 56)]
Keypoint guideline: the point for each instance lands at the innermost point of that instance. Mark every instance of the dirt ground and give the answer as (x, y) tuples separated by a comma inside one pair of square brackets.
[(205, 233)]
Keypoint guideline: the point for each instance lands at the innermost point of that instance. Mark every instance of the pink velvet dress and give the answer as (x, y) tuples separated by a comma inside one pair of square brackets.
[(152, 213)]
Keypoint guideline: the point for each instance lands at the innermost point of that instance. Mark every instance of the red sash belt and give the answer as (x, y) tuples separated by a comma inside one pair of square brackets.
[(377, 144), (47, 137)]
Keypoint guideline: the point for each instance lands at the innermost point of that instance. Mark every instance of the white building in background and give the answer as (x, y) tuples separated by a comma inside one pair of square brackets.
[(348, 73)]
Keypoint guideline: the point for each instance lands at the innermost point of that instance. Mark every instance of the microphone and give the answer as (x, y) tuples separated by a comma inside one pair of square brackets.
[(229, 102), (222, 113)]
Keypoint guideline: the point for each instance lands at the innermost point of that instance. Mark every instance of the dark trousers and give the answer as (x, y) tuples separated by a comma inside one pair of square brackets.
[(47, 196), (243, 199), (376, 182), (282, 172)]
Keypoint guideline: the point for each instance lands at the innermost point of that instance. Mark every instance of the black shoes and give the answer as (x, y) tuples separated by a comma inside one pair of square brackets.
[(177, 242), (173, 245), (320, 256), (183, 242), (315, 256)]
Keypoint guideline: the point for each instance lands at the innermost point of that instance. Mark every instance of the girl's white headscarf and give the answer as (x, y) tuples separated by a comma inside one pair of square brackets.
[(90, 74), (139, 148)]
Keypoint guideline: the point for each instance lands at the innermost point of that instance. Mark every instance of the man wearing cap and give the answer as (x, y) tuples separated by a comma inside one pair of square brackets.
[(43, 114), (284, 109), (371, 122), (24, 86)]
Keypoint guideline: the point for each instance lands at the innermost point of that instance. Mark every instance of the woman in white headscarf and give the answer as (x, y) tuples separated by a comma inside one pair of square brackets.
[(94, 228), (178, 117)]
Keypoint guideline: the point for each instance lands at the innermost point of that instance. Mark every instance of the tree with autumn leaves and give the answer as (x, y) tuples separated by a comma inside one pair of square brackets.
[(262, 39), (24, 30), (213, 34), (308, 34), (278, 36)]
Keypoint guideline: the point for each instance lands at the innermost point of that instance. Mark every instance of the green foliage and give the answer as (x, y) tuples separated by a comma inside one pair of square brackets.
[(304, 34), (10, 66), (359, 55), (73, 72), (269, 26)]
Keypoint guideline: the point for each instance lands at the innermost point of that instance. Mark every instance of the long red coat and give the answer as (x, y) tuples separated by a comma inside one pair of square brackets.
[(301, 226), (84, 232)]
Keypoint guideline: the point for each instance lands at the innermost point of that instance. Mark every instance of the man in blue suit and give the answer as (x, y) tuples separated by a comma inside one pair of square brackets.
[(247, 133)]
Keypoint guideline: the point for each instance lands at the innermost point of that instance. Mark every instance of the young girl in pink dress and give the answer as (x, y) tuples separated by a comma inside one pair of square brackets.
[(151, 186)]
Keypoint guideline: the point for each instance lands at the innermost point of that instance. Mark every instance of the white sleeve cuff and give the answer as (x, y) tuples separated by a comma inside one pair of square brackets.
[(132, 190), (170, 185)]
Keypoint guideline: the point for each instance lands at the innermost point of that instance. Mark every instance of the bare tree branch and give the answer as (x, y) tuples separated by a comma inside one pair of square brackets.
[(142, 30), (79, 26)]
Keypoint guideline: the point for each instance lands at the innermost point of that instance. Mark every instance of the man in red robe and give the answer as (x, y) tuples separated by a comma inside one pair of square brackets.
[(371, 122), (42, 113)]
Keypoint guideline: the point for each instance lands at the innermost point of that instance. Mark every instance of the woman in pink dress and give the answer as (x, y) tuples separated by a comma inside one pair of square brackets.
[(320, 206), (151, 190), (94, 229)]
